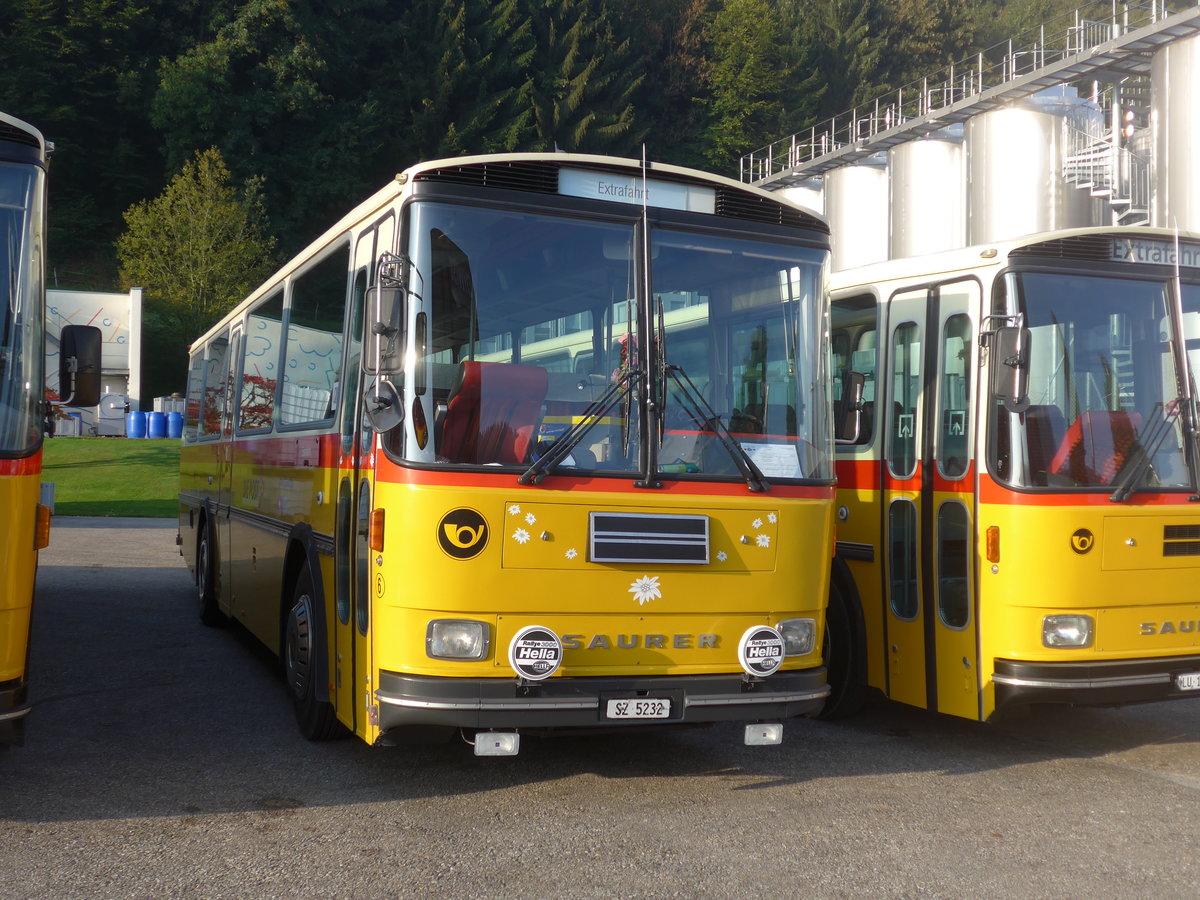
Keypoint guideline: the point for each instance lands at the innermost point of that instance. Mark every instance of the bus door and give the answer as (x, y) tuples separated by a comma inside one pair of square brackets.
[(928, 502), (352, 596)]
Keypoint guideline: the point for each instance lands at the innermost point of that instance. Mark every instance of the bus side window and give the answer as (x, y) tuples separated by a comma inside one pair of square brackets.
[(195, 394), (313, 354), (853, 345), (260, 361), (216, 369), (953, 397)]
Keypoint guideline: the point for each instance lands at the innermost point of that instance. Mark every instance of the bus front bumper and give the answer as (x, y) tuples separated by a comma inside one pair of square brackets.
[(1111, 683), (584, 702)]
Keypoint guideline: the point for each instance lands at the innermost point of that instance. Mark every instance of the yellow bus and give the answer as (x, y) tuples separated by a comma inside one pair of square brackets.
[(24, 517), (525, 443), (1017, 515)]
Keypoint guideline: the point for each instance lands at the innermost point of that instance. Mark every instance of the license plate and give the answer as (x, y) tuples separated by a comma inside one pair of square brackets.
[(639, 708), (1189, 681)]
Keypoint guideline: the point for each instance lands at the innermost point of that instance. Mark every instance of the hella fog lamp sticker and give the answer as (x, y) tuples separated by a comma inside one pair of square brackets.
[(535, 652), (760, 651), (462, 533)]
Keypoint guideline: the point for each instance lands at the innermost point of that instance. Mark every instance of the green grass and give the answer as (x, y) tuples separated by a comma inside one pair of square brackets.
[(113, 476)]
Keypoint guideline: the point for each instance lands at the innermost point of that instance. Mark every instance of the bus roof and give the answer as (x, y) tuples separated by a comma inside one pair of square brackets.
[(374, 204), (937, 266), (13, 129)]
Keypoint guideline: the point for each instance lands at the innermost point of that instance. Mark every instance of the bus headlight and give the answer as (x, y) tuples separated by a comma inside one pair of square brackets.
[(456, 639), (1067, 631), (798, 636)]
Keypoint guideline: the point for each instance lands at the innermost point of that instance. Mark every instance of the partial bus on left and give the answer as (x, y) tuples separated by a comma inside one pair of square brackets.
[(24, 518), (24, 521)]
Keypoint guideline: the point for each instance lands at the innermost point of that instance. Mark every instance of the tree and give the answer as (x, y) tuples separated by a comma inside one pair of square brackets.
[(923, 36), (762, 79), (845, 35), (584, 79), (196, 250), (473, 94), (80, 72), (669, 41)]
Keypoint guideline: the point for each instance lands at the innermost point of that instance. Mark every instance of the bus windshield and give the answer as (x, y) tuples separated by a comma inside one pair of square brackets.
[(20, 313), (522, 323), (1102, 385)]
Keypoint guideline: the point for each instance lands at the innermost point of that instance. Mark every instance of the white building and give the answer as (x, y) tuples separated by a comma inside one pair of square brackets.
[(119, 318)]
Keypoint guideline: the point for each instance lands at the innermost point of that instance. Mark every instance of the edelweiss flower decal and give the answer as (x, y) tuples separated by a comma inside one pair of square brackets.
[(771, 517), (572, 553), (646, 589), (722, 556), (763, 540), (514, 510), (521, 536), (530, 518)]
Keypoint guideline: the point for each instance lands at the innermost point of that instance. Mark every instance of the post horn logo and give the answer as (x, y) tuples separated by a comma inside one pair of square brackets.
[(1082, 541), (462, 533)]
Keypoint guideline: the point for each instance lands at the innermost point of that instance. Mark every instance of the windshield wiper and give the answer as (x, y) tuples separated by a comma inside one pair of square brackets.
[(595, 412), (1141, 454), (707, 419)]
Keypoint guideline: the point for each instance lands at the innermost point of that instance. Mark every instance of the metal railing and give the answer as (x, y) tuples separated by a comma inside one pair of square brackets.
[(1094, 163), (1054, 41)]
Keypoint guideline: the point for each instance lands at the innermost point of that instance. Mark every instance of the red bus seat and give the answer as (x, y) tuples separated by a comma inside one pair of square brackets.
[(492, 413), (1095, 446)]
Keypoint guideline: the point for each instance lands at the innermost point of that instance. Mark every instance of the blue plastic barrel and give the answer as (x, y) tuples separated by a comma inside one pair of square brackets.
[(156, 425), (174, 425), (135, 425)]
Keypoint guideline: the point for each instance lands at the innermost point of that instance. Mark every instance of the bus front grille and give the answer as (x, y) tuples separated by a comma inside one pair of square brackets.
[(1181, 540), (646, 538)]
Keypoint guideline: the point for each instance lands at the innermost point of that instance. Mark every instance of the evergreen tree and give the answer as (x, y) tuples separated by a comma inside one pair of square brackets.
[(475, 98), (288, 91), (583, 80), (78, 70), (762, 80), (668, 37), (847, 46), (921, 37)]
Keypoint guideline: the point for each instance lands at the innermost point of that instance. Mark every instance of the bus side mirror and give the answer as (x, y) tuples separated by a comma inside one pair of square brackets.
[(385, 313), (1010, 367), (382, 405), (79, 365), (386, 317), (849, 409)]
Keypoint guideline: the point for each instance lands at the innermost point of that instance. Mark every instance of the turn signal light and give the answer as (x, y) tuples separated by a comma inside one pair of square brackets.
[(41, 535), (375, 535), (992, 544)]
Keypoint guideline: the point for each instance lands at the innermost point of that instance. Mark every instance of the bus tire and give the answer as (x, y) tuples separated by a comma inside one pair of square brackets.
[(840, 652), (316, 718), (206, 587)]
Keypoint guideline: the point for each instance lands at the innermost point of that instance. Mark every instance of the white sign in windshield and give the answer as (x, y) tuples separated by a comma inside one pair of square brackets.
[(1157, 253), (632, 189)]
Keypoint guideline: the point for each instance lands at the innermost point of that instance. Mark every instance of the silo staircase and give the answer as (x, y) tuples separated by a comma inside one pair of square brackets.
[(1102, 153)]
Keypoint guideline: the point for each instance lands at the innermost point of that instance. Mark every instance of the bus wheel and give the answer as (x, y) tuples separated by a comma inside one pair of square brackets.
[(840, 654), (210, 613), (315, 717)]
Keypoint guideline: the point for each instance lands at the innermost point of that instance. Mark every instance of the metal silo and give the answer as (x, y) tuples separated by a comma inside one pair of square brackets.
[(856, 204), (1175, 125), (1015, 157), (809, 193), (928, 194)]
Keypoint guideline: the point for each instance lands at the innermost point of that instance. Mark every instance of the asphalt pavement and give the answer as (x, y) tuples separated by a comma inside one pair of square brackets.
[(162, 761)]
